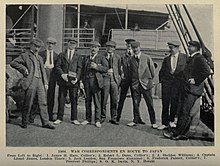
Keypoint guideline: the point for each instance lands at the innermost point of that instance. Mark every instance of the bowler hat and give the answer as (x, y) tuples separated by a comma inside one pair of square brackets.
[(95, 43), (174, 43), (195, 43), (37, 42), (72, 39), (128, 41), (51, 39), (111, 43), (135, 44)]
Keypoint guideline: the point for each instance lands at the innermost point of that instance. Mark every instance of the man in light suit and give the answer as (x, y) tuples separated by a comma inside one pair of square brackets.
[(194, 74), (170, 76), (50, 57), (95, 66), (68, 66), (111, 82), (142, 74), (34, 83)]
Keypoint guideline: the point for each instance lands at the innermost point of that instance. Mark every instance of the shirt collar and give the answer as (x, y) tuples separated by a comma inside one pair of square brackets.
[(138, 55), (197, 52)]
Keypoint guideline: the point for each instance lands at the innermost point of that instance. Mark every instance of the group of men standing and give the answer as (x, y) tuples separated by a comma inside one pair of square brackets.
[(109, 74)]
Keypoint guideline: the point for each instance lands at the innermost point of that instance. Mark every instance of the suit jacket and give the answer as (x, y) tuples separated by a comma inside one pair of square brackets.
[(146, 71), (116, 67), (101, 70), (125, 62), (43, 54), (64, 66), (165, 76), (26, 61), (197, 68)]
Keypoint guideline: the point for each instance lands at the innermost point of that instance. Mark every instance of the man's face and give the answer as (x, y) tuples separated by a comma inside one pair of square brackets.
[(110, 49), (173, 49), (94, 50), (35, 48), (128, 46), (50, 45), (72, 45), (192, 49), (136, 50)]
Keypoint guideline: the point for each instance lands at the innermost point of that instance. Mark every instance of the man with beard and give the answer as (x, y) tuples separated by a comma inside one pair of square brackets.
[(94, 67)]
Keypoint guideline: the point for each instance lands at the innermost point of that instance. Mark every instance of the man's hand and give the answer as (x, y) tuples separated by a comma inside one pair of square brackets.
[(93, 65), (192, 81), (26, 73), (46, 87), (74, 81), (64, 77)]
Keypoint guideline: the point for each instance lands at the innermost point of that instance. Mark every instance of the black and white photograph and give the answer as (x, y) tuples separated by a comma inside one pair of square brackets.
[(99, 75)]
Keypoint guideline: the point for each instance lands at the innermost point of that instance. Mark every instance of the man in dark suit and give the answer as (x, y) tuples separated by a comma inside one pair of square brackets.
[(30, 64), (126, 77), (68, 67), (194, 74), (170, 76), (142, 74), (50, 57), (94, 67), (111, 82)]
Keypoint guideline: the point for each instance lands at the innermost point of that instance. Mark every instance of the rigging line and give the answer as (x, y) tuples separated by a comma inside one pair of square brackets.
[(119, 18), (21, 16)]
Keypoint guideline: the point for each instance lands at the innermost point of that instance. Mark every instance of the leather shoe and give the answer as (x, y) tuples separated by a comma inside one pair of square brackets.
[(180, 137), (98, 124), (31, 121), (49, 126), (168, 135), (24, 126), (131, 124), (141, 122), (76, 122), (113, 122)]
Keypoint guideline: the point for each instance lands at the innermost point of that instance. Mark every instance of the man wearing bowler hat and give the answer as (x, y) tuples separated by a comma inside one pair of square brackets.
[(68, 67), (111, 82), (50, 57), (170, 76), (194, 74), (142, 74), (126, 77), (34, 83), (95, 66)]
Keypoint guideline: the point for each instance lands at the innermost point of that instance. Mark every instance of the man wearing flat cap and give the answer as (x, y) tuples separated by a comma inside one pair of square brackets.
[(142, 74), (34, 83), (194, 74), (170, 76), (126, 76), (50, 57), (95, 66), (68, 67), (111, 82)]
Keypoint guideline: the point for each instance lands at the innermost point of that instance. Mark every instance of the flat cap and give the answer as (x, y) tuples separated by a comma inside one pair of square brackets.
[(174, 43), (128, 41), (37, 42), (95, 43), (195, 43), (135, 44), (111, 43), (72, 39), (51, 39)]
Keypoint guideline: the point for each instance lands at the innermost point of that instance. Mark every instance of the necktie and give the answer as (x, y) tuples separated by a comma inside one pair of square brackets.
[(70, 53), (129, 52), (50, 56), (174, 63), (137, 59)]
